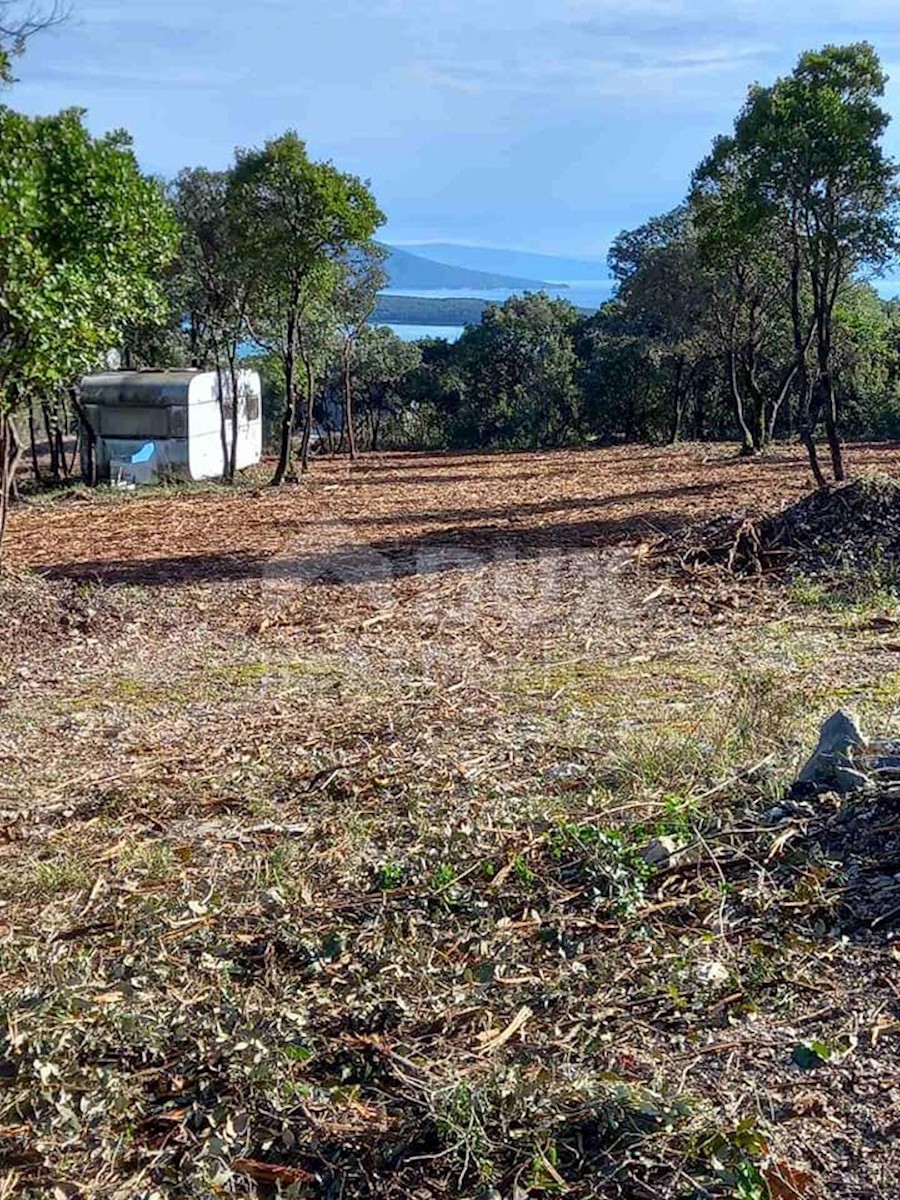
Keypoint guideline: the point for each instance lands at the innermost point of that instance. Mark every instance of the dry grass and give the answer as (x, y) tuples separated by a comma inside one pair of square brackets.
[(321, 846)]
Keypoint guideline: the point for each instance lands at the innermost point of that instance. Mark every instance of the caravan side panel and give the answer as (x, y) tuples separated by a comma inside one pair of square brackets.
[(205, 424), (249, 450), (205, 460)]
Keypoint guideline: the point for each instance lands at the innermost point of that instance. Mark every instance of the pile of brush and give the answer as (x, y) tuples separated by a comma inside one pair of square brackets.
[(848, 531)]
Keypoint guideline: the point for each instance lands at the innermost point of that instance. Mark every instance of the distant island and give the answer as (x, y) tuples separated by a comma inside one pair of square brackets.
[(415, 272), (428, 310), (432, 310)]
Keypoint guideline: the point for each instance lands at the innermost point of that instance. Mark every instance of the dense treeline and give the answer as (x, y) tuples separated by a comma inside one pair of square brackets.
[(429, 310), (744, 313), (661, 361)]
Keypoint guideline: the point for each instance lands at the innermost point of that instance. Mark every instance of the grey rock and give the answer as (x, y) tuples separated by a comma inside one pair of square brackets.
[(665, 851), (833, 763), (660, 852), (848, 779)]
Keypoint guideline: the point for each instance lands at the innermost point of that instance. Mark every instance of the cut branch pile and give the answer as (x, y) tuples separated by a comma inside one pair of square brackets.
[(849, 530)]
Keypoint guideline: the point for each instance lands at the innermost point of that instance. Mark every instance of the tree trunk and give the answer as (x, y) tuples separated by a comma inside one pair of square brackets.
[(831, 428), (348, 400), (10, 452), (90, 473), (783, 393), (50, 426), (747, 445), (4, 475), (223, 406), (287, 421), (807, 414), (32, 436), (679, 405), (61, 452), (308, 416), (233, 376), (827, 400), (809, 419), (759, 426), (15, 455)]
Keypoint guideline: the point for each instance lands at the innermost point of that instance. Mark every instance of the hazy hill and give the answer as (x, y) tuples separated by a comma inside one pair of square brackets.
[(415, 272), (514, 262)]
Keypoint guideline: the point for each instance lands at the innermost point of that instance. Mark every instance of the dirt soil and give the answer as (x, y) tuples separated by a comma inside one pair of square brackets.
[(406, 833), (403, 505)]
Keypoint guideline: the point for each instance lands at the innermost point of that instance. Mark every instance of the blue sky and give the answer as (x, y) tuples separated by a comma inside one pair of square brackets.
[(544, 125)]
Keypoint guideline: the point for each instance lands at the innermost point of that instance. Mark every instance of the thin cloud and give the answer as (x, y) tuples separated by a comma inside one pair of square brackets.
[(545, 121)]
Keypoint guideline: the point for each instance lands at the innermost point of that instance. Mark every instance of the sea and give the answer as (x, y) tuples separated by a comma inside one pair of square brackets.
[(586, 294)]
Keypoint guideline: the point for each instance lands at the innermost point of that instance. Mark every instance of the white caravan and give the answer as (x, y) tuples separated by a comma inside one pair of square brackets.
[(152, 425)]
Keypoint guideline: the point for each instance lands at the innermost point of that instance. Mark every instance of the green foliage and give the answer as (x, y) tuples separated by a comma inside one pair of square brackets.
[(742, 313), (381, 369), (443, 876), (517, 375), (83, 239), (428, 310), (805, 178), (605, 859), (389, 876), (211, 283), (298, 220)]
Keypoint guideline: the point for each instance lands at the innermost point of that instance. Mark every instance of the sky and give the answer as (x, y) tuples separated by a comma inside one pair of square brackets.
[(543, 125)]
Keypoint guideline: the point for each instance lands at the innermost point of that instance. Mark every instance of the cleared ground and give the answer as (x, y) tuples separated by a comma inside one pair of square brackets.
[(322, 822)]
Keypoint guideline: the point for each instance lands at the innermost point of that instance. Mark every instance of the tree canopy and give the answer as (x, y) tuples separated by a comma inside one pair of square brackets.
[(84, 238), (299, 219)]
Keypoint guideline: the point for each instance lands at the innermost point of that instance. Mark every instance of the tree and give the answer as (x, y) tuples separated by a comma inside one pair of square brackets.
[(665, 294), (382, 365), (749, 296), (299, 219), (811, 162), (361, 277), (216, 280), (518, 370), (618, 382), (84, 238)]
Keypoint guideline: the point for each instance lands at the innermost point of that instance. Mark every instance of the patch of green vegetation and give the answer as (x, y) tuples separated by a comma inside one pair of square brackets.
[(852, 592), (544, 1179), (522, 871), (761, 714), (607, 861), (142, 693), (153, 860), (285, 869), (389, 876), (614, 688), (460, 1116), (443, 877), (811, 593), (677, 819), (48, 878), (246, 674)]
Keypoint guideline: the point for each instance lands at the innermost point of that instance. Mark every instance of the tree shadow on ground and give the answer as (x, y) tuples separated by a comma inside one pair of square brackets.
[(516, 510), (401, 479), (467, 548)]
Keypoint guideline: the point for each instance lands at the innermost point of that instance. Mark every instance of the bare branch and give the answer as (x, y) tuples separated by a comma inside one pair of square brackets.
[(19, 22)]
